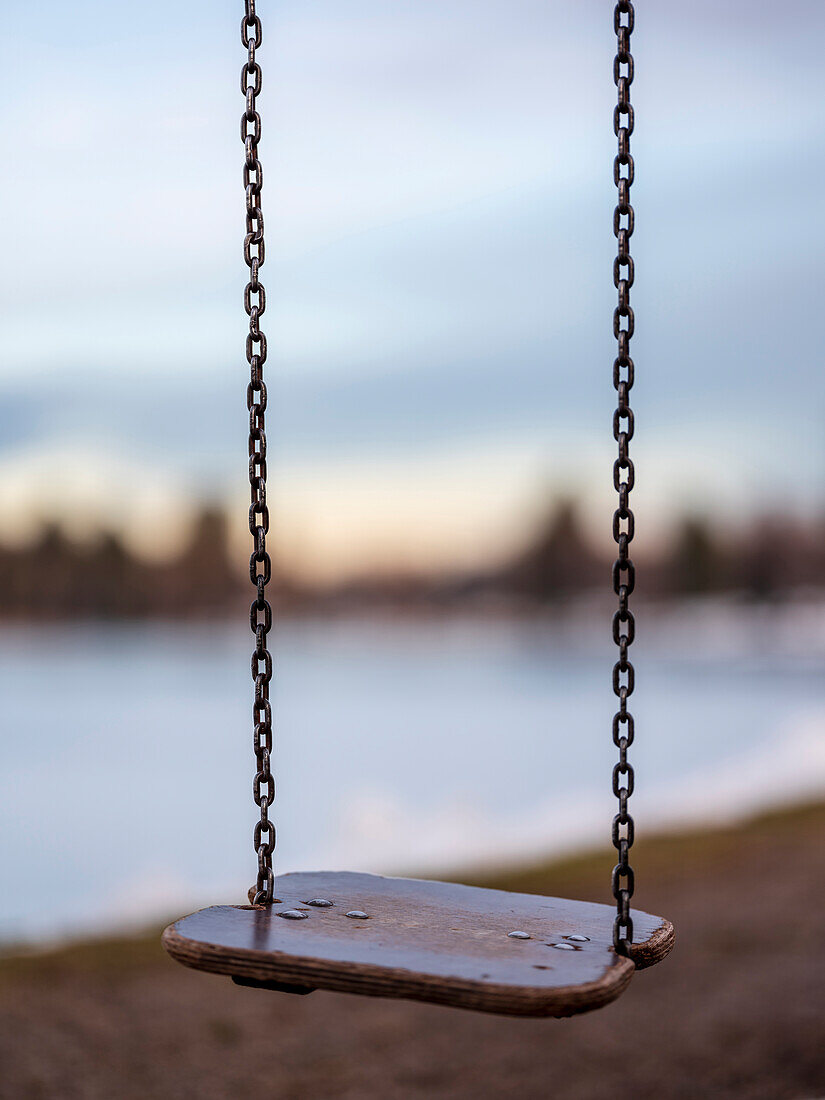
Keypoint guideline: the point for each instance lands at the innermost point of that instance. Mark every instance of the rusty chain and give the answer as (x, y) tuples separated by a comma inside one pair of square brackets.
[(624, 573), (623, 472), (260, 565)]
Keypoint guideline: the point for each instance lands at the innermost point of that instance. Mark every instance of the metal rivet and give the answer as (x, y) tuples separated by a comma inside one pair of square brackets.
[(293, 914), (357, 914), (578, 939), (518, 935), (320, 903), (563, 946)]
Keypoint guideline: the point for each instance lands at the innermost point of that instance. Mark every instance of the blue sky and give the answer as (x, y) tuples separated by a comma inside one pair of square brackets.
[(438, 200)]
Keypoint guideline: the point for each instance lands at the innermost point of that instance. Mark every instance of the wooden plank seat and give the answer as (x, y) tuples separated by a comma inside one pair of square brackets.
[(426, 941)]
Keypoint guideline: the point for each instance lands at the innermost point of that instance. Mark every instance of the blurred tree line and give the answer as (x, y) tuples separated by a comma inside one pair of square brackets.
[(56, 578), (771, 556)]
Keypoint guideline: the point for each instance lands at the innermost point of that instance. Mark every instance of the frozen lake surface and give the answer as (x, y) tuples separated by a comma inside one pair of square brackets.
[(126, 760)]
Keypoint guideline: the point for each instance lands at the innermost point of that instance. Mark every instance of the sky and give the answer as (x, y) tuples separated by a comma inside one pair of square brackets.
[(438, 200)]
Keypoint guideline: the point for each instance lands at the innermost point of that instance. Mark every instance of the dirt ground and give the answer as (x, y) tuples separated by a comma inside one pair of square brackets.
[(738, 1009)]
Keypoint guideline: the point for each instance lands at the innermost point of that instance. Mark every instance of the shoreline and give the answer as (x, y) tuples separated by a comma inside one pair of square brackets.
[(583, 873)]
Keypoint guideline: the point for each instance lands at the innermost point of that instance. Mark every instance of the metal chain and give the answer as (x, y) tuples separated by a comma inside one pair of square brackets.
[(624, 573), (260, 565)]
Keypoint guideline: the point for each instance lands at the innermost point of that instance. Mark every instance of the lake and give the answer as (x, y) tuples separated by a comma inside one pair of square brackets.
[(411, 746)]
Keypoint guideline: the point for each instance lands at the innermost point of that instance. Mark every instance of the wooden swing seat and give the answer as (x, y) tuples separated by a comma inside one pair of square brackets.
[(422, 941)]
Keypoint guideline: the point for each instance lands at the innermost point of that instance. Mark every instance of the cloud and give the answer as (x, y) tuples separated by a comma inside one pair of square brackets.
[(438, 203)]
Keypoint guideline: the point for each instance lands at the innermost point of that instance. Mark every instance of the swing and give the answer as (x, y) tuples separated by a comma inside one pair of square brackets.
[(489, 950)]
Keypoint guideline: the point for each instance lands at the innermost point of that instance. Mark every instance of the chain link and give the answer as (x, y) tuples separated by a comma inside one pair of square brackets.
[(624, 572), (260, 565)]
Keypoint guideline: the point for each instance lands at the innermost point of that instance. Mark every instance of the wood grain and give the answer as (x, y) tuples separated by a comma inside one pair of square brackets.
[(428, 941)]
